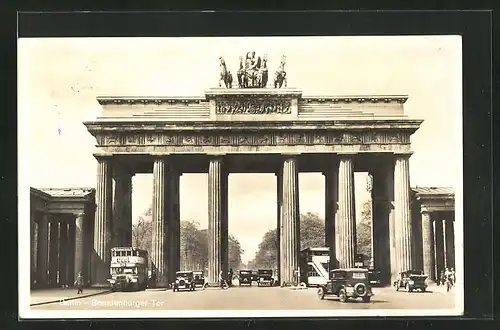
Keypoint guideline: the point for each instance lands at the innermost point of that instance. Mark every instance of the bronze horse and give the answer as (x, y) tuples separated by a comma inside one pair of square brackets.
[(225, 75), (242, 77), (280, 75)]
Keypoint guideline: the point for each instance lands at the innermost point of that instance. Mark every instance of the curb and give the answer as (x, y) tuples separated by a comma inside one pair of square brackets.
[(70, 298)]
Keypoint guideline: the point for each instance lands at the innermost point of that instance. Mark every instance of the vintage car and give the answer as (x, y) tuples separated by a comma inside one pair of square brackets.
[(411, 280), (255, 275), (374, 277), (245, 277), (265, 277), (199, 278), (347, 283), (184, 281)]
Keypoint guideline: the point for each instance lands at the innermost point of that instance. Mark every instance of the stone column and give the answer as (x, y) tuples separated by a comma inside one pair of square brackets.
[(383, 220), (438, 246), (63, 252), (79, 247), (158, 255), (403, 225), (331, 198), (71, 252), (43, 257), (449, 236), (225, 222), (217, 220), (103, 227), (279, 224), (346, 215), (290, 220), (173, 221), (122, 208), (33, 237), (428, 245), (53, 250)]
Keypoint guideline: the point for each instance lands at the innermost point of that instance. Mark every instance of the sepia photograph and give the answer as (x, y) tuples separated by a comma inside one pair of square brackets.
[(240, 177)]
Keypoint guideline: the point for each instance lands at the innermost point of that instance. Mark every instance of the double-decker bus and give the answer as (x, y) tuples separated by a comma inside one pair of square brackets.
[(129, 268), (314, 264)]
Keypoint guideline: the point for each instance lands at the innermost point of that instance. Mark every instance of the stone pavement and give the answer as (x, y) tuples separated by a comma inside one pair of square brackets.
[(45, 296)]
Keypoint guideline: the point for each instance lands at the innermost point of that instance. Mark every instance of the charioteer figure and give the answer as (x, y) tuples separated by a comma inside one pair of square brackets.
[(280, 75)]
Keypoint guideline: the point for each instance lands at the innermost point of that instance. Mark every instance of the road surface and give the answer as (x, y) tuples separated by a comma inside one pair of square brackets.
[(252, 298)]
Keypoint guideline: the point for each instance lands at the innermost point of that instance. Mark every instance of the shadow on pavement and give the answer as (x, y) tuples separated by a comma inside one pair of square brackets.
[(71, 298), (355, 301)]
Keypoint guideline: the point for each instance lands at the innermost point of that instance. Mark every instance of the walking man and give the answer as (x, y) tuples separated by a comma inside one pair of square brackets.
[(79, 283), (230, 277)]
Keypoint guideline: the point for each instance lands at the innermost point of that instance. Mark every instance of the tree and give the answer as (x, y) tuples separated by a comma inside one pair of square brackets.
[(235, 252), (265, 257), (193, 243), (312, 230), (142, 234), (194, 246), (363, 231), (312, 234)]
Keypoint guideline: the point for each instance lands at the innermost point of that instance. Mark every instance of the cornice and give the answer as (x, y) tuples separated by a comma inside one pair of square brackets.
[(356, 98), (200, 126), (232, 93), (120, 100)]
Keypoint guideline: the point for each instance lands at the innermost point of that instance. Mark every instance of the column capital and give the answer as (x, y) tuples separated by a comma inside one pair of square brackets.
[(425, 211), (122, 172), (79, 214), (159, 154), (403, 154), (343, 155), (103, 157), (290, 155)]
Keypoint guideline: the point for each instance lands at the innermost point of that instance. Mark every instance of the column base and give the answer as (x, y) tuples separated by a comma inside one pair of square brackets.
[(211, 285), (100, 285)]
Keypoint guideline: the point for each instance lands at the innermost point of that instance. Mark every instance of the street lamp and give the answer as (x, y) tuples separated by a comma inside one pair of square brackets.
[(369, 188)]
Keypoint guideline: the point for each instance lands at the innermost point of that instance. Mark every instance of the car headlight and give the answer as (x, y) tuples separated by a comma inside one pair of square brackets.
[(411, 282), (176, 281)]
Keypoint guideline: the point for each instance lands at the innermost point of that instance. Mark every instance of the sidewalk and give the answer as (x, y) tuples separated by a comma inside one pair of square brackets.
[(46, 296), (440, 289)]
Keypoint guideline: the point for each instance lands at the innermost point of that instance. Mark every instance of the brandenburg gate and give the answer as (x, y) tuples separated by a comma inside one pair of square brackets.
[(255, 129)]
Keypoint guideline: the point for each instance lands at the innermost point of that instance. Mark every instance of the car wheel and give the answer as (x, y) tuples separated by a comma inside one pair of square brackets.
[(321, 293), (366, 299), (342, 296)]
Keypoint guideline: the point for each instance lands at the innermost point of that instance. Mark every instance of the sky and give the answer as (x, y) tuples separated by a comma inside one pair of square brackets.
[(59, 80)]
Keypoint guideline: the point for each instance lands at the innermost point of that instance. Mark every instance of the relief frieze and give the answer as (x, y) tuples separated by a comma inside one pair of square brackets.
[(253, 138), (253, 106)]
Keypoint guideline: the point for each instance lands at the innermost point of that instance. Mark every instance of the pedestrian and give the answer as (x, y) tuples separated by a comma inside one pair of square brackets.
[(453, 278), (442, 278), (448, 284), (79, 283), (230, 277), (221, 278)]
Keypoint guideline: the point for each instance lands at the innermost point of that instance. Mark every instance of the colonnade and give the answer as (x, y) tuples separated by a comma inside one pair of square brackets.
[(391, 198), (438, 238), (58, 250)]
